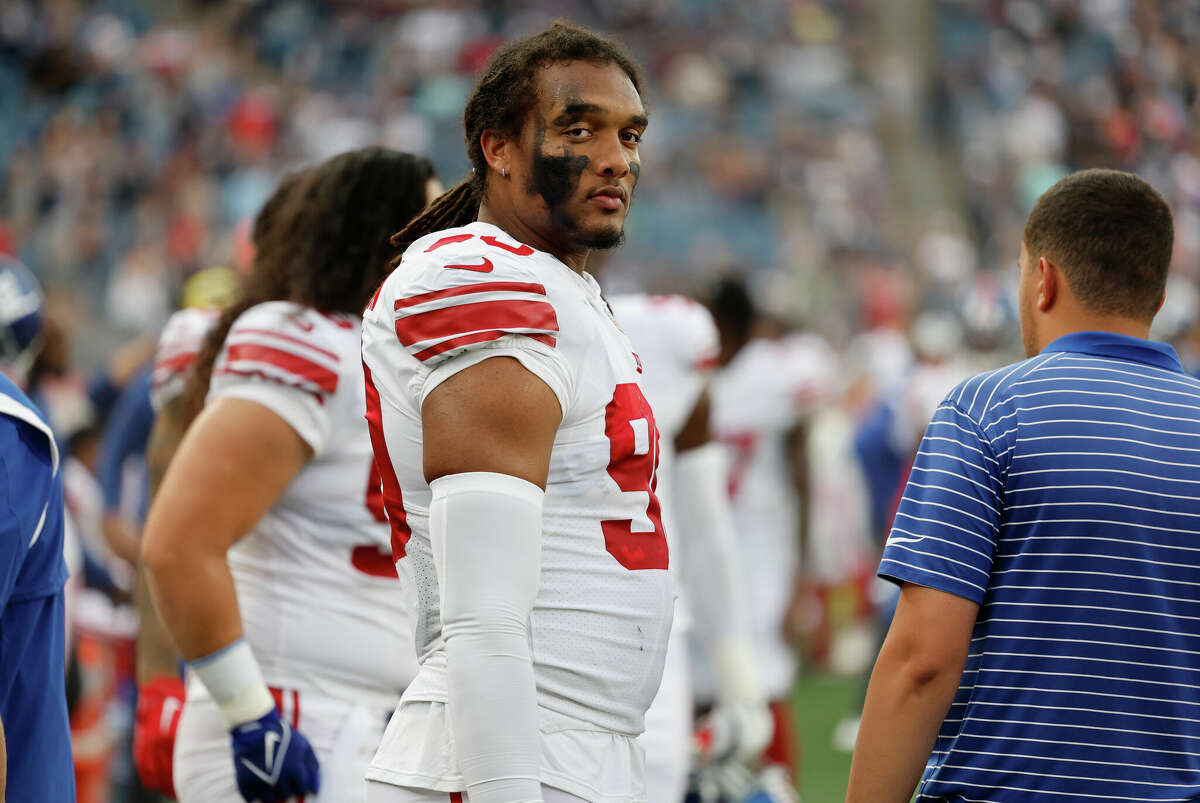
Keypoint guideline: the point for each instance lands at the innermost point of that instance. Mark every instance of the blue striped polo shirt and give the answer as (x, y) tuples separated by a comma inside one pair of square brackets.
[(1062, 494)]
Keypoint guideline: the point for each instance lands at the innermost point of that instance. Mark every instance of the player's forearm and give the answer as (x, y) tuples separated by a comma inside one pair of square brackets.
[(493, 714), (156, 655), (907, 701), (485, 530), (801, 474), (193, 591), (3, 761), (710, 562), (121, 537)]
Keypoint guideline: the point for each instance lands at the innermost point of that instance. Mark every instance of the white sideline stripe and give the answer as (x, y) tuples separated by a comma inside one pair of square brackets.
[(1073, 691), (1134, 611), (1193, 395), (1122, 644), (936, 574), (984, 538), (1110, 678)]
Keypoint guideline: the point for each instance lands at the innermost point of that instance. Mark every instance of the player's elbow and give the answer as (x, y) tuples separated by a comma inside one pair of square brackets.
[(166, 558), (927, 661), (156, 558), (485, 621)]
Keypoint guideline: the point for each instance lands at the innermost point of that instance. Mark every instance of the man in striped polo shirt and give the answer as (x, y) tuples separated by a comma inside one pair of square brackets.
[(1047, 642)]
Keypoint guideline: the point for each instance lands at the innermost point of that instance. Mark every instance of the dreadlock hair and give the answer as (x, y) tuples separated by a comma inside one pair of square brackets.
[(322, 242), (501, 102)]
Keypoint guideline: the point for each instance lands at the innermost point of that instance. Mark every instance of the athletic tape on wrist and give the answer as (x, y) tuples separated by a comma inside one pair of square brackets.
[(232, 677)]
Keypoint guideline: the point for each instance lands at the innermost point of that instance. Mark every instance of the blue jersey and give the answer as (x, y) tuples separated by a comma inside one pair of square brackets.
[(126, 435), (1062, 494), (33, 702)]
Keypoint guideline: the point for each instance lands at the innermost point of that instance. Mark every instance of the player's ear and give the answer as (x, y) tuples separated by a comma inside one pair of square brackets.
[(495, 150), (1048, 278)]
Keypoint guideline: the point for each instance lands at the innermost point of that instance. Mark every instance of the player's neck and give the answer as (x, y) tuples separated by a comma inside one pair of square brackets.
[(514, 227), (1051, 330)]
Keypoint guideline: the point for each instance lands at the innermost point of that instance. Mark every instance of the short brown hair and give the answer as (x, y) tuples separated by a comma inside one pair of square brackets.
[(1112, 235)]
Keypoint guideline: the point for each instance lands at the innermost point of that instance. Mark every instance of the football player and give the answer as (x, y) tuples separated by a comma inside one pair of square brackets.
[(266, 545), (761, 396), (160, 690), (518, 451), (35, 739), (676, 341)]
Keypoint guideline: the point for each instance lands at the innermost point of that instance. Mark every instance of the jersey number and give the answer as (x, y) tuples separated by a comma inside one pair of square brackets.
[(373, 559), (743, 446), (633, 462)]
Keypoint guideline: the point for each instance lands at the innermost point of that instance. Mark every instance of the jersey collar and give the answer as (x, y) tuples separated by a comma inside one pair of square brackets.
[(1124, 347)]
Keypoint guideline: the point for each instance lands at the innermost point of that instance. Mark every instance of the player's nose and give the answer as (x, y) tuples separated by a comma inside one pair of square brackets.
[(612, 158)]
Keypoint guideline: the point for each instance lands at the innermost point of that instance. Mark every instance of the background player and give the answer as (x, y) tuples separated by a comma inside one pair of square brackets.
[(518, 451), (676, 343), (161, 693), (277, 472), (761, 395), (35, 741)]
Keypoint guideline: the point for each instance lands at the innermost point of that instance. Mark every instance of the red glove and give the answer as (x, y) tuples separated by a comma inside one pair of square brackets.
[(160, 702)]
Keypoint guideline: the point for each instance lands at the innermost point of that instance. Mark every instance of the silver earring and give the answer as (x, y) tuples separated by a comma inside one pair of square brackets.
[(504, 172)]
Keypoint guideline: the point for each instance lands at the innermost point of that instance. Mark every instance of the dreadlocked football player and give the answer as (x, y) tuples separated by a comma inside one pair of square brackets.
[(518, 452)]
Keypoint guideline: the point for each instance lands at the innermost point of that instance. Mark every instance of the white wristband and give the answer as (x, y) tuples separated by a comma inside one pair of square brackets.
[(736, 670), (232, 677)]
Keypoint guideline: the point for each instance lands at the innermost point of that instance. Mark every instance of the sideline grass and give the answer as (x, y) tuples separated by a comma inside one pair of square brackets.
[(819, 701)]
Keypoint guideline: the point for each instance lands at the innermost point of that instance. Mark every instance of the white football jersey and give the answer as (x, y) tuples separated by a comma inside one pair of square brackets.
[(676, 341), (603, 610), (677, 338), (178, 345), (318, 592), (768, 388)]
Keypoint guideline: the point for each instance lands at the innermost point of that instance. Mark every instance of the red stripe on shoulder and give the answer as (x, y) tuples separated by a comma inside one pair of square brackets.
[(289, 338), (454, 238), (374, 298), (465, 318), (476, 337), (467, 289), (520, 249), (286, 361), (338, 319), (177, 362)]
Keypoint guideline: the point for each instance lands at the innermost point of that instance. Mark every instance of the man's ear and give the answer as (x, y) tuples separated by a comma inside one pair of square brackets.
[(495, 150), (1048, 278)]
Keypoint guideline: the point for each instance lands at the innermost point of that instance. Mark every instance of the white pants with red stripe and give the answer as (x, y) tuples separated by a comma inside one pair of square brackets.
[(343, 735), (386, 793)]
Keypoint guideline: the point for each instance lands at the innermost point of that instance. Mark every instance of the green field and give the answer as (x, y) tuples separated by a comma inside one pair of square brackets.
[(819, 701)]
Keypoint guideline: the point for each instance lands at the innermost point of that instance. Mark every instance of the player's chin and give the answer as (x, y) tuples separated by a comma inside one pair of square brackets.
[(602, 234)]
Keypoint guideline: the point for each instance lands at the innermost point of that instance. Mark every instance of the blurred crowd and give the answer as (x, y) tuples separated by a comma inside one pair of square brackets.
[(1026, 92), (867, 170), (137, 142), (140, 137)]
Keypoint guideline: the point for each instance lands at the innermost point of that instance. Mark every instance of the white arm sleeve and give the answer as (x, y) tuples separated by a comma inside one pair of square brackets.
[(486, 533), (712, 570)]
